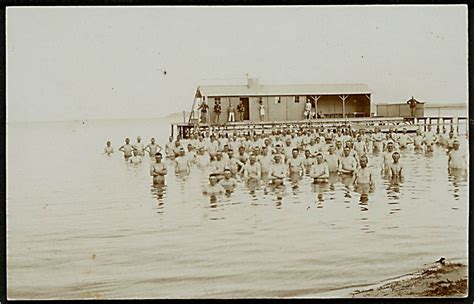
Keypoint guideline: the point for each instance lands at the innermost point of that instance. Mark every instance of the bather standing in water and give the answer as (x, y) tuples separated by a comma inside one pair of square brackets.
[(278, 171), (360, 147), (377, 139), (213, 188), (190, 154), (228, 182), (450, 141), (265, 160), (218, 165), (295, 164), (457, 158), (308, 161), (135, 159), (404, 139), (233, 163), (319, 171), (182, 166), (108, 148), (348, 162), (152, 148), (203, 161), (320, 174), (139, 147), (418, 140), (387, 157), (396, 167), (252, 173), (158, 170), (127, 149), (252, 169), (169, 148), (295, 167), (363, 180), (396, 171), (429, 139)]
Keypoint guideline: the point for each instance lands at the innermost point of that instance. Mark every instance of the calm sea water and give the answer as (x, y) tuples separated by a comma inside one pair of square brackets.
[(84, 225)]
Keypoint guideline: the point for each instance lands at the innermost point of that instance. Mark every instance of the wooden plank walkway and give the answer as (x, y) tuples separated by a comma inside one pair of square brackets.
[(385, 123)]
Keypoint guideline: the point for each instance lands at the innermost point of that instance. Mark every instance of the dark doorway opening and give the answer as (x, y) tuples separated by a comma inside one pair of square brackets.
[(245, 102)]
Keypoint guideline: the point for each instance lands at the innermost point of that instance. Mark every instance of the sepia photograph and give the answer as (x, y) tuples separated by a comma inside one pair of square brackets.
[(235, 152)]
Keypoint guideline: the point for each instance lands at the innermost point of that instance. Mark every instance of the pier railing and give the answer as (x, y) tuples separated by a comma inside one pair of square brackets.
[(384, 123)]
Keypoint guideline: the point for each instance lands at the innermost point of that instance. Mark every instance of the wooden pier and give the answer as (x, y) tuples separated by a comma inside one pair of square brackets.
[(384, 123)]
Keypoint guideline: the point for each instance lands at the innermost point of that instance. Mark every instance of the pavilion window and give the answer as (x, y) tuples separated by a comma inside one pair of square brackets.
[(297, 99), (277, 99)]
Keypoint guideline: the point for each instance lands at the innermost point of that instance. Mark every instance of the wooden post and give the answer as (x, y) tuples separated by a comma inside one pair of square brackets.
[(172, 131), (343, 98), (316, 98), (191, 115)]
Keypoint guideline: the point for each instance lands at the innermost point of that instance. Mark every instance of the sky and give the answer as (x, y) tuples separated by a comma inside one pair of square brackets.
[(66, 63)]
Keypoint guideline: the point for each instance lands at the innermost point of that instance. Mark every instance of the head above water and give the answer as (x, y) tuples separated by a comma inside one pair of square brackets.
[(294, 152), (127, 140), (390, 146), (252, 159), (212, 178), (319, 158), (395, 156), (347, 151)]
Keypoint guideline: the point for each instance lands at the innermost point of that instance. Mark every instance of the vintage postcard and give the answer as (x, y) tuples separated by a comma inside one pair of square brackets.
[(237, 152)]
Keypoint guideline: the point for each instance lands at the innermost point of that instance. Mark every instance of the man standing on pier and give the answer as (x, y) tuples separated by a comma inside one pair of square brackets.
[(240, 111), (203, 107), (217, 111), (231, 111), (307, 110)]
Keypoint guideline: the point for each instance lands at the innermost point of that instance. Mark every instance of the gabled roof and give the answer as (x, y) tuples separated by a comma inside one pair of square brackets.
[(281, 90)]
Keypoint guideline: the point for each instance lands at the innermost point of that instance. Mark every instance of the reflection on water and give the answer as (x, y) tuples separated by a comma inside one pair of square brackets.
[(457, 178), (158, 191), (294, 238)]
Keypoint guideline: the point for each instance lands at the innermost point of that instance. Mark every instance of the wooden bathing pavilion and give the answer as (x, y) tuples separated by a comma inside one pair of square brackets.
[(284, 106)]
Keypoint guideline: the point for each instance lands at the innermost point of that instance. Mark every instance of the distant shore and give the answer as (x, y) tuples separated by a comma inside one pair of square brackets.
[(448, 280)]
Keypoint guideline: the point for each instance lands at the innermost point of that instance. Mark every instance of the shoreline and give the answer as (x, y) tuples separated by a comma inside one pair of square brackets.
[(449, 280)]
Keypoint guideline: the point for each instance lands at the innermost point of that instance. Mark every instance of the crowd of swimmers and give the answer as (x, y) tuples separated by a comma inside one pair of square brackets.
[(326, 155)]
